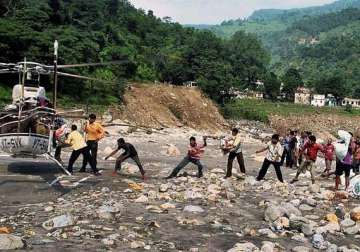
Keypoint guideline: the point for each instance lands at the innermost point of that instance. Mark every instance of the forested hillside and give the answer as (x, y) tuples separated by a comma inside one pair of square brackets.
[(107, 30), (322, 43)]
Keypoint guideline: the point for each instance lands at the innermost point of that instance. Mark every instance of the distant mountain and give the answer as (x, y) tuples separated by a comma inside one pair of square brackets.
[(274, 20), (319, 41), (271, 14)]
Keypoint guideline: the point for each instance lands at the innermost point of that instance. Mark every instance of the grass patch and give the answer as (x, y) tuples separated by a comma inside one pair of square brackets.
[(260, 110)]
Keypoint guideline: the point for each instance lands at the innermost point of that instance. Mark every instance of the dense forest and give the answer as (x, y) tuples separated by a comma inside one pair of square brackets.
[(322, 43), (151, 48)]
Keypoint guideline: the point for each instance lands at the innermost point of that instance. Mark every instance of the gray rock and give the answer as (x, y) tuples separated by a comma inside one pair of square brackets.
[(244, 247), (301, 249), (305, 207), (289, 209), (10, 242), (268, 246), (347, 223), (59, 222), (314, 188), (299, 238), (272, 213), (307, 229), (353, 230), (193, 209), (310, 201), (319, 242), (297, 222), (332, 248)]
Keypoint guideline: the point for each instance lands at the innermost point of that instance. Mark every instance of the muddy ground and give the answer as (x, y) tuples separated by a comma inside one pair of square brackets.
[(26, 193)]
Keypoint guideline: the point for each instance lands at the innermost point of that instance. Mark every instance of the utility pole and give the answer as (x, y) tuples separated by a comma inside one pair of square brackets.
[(56, 47)]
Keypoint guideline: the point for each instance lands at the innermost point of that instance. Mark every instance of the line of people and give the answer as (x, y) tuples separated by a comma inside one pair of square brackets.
[(296, 151)]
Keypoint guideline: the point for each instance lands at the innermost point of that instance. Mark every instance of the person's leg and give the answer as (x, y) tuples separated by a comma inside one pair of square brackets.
[(138, 163), (288, 158), (263, 170), (74, 156), (347, 176), (277, 167), (86, 154), (283, 156), (118, 162), (58, 153), (240, 159), (94, 150), (338, 173), (230, 164), (200, 166), (85, 160), (300, 169), (180, 166), (312, 168)]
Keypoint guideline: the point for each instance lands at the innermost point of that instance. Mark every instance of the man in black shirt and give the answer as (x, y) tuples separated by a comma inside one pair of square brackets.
[(129, 152)]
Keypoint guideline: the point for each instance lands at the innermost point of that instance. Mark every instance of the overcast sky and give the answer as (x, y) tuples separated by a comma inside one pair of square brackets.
[(216, 11)]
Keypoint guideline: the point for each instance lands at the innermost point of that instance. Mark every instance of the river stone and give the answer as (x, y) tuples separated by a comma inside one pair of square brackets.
[(10, 242)]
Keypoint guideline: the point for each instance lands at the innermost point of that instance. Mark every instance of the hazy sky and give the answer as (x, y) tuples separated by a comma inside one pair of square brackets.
[(216, 11)]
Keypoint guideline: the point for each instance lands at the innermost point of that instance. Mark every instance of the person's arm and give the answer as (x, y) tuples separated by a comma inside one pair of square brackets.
[(205, 142), (262, 150), (101, 132), (112, 154)]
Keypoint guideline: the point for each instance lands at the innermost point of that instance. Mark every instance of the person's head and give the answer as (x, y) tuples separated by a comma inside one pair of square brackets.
[(234, 131), (192, 141), (121, 141), (329, 141), (292, 133), (275, 139), (73, 127), (92, 118), (312, 139)]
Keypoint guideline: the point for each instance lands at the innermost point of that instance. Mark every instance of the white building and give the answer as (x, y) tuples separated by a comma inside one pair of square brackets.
[(318, 100), (355, 103), (190, 84)]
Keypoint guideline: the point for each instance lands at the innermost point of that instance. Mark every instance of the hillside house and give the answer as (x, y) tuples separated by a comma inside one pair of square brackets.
[(303, 96), (355, 103), (190, 84), (318, 100)]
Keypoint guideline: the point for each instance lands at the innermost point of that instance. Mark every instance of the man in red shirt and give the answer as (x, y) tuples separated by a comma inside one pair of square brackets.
[(310, 150), (193, 156)]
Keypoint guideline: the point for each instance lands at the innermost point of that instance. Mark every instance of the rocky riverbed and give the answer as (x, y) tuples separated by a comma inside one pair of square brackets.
[(124, 213)]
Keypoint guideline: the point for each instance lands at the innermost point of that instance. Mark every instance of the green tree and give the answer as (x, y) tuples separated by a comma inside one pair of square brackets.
[(272, 86), (292, 80)]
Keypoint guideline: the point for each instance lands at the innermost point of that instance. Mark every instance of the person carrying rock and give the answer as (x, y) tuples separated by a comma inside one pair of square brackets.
[(273, 157), (310, 151), (235, 151), (78, 144), (129, 152), (94, 133), (195, 151)]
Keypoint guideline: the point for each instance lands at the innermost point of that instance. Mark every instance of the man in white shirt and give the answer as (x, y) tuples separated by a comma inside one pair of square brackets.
[(235, 151), (273, 157)]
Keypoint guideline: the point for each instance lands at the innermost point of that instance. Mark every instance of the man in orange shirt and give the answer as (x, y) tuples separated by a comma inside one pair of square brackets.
[(94, 133)]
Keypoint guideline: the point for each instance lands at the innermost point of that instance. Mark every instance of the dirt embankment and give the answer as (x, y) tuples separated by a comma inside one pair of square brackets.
[(170, 106), (322, 125)]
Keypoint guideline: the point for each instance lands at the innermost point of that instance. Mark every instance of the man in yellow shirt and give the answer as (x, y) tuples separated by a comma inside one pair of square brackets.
[(95, 132), (78, 144)]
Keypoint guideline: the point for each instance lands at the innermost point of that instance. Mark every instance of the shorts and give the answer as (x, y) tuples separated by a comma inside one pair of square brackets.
[(341, 168)]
